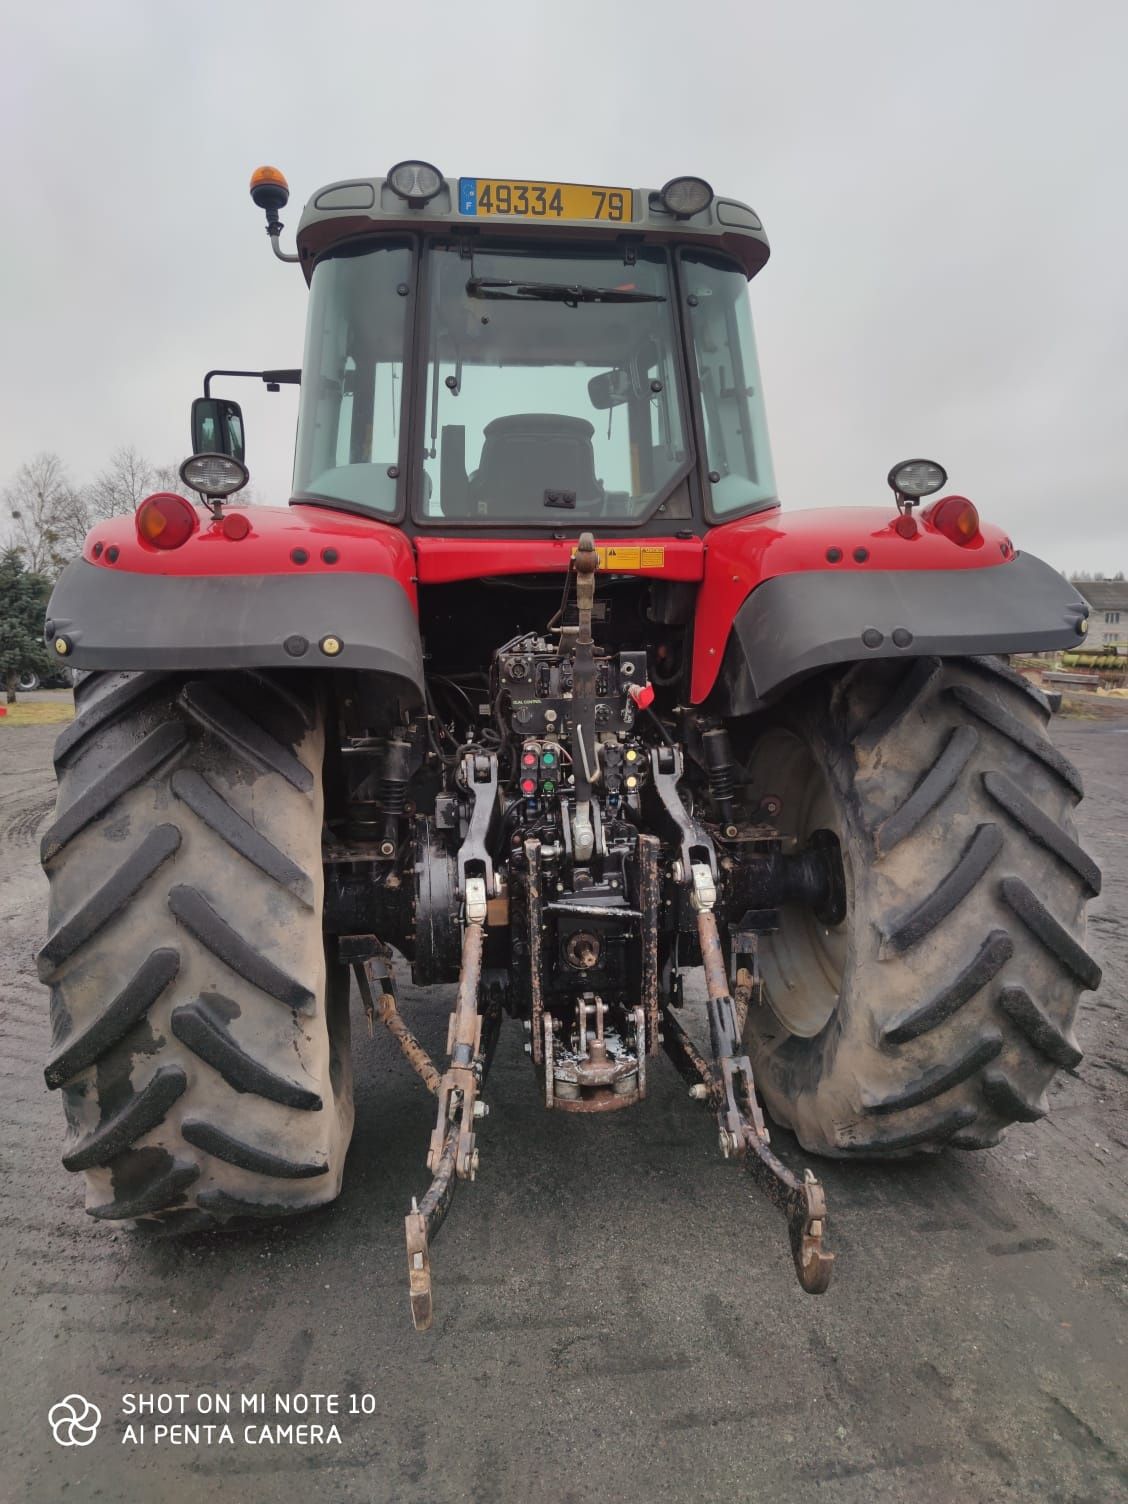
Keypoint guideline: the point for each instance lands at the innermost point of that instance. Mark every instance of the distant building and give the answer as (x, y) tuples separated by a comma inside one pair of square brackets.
[(1108, 613)]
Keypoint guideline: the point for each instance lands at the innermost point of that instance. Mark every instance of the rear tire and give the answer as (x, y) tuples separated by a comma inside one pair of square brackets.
[(198, 1037), (962, 953)]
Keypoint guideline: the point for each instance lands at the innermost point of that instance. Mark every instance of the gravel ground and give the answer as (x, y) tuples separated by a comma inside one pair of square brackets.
[(616, 1313)]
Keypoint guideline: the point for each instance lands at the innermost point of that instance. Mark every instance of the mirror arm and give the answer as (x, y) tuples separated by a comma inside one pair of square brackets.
[(210, 374), (273, 379)]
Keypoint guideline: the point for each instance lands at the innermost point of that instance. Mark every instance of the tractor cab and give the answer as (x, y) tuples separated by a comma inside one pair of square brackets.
[(534, 356)]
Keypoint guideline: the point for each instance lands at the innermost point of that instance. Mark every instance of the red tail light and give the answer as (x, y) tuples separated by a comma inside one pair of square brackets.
[(236, 525), (955, 517), (166, 520)]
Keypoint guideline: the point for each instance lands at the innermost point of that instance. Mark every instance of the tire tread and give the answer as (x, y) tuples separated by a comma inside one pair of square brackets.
[(87, 1046), (198, 1026), (992, 714), (198, 916), (242, 735), (144, 1111), (940, 779), (213, 1140), (908, 929), (105, 904), (1041, 829), (196, 792)]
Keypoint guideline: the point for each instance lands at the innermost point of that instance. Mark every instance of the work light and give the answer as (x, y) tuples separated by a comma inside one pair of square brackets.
[(685, 197), (214, 474), (415, 181), (913, 479)]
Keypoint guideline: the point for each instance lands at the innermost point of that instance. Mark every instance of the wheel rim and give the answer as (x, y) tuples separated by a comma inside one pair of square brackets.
[(803, 962)]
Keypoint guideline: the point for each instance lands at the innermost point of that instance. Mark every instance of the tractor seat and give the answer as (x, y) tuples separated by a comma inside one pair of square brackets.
[(526, 454)]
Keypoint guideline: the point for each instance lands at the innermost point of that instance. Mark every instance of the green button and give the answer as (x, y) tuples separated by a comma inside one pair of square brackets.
[(548, 759), (548, 787)]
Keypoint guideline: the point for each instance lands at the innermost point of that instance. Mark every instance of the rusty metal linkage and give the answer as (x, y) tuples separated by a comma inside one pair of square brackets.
[(452, 1155), (458, 1090), (649, 901), (380, 1006), (731, 1091), (745, 987), (534, 898), (377, 991), (422, 1223)]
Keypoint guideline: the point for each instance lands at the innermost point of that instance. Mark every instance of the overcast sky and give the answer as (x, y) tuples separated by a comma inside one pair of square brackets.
[(944, 184)]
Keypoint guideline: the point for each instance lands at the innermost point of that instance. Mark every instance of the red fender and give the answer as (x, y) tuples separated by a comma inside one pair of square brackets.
[(297, 540), (743, 554)]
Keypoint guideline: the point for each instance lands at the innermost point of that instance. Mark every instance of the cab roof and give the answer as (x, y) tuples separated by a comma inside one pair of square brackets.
[(363, 206)]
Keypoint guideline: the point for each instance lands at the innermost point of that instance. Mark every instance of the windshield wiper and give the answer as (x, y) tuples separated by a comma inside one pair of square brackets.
[(509, 290)]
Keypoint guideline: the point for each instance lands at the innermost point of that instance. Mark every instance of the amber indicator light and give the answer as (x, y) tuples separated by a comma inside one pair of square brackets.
[(166, 520), (955, 517)]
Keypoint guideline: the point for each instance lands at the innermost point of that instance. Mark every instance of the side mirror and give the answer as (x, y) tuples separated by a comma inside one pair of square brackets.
[(217, 427), (609, 389)]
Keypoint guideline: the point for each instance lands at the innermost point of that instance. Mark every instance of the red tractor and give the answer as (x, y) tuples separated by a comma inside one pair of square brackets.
[(534, 682)]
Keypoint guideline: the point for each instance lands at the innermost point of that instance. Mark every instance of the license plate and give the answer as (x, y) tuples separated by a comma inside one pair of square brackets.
[(505, 198)]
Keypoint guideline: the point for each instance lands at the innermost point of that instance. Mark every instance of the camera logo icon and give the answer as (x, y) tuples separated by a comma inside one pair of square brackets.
[(74, 1421)]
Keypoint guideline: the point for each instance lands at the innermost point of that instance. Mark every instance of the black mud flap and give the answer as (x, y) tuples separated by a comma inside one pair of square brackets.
[(117, 620), (796, 624)]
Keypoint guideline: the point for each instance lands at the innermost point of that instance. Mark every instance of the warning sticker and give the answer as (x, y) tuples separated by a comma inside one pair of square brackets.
[(629, 557)]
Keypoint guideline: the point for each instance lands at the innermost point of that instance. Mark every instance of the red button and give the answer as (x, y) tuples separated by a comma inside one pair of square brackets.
[(528, 785), (642, 694)]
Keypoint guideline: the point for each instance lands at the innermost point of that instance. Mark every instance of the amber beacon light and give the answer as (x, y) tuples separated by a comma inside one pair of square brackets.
[(269, 188)]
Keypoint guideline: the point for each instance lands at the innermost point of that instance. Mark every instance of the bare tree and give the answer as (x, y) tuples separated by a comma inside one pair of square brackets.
[(72, 524), (47, 514), (167, 478), (126, 481)]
